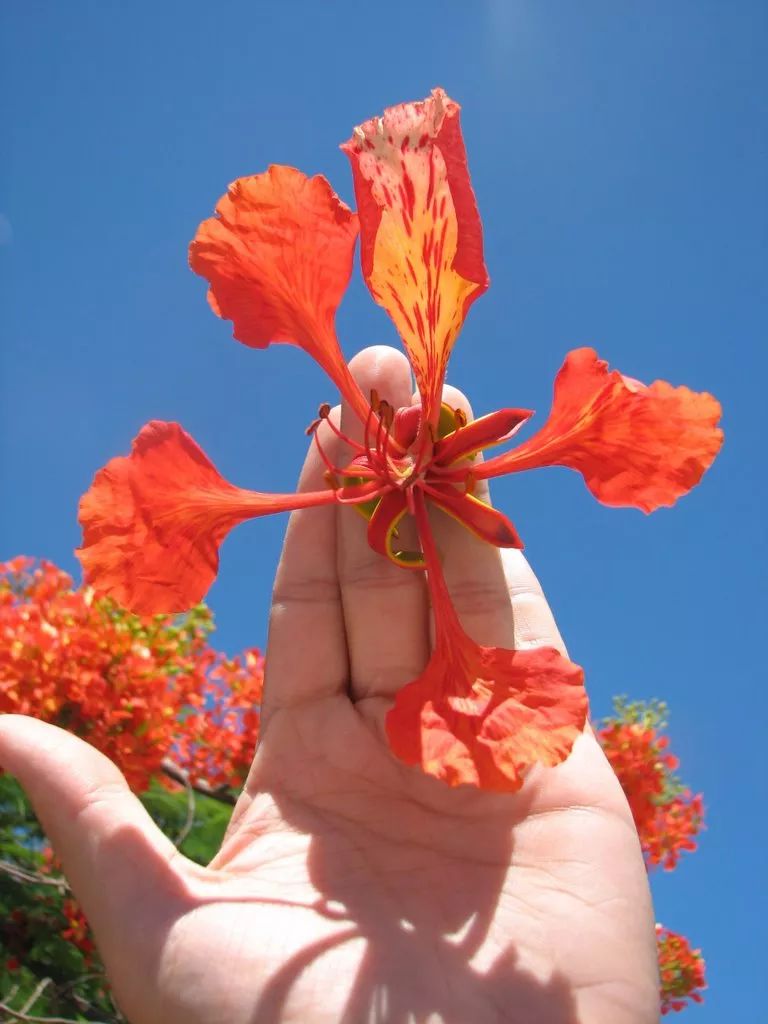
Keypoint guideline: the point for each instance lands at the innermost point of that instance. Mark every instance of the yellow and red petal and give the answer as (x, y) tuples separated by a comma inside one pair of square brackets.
[(153, 521), (636, 445), (420, 231), (495, 428), (482, 519), (382, 530), (483, 716), (278, 258)]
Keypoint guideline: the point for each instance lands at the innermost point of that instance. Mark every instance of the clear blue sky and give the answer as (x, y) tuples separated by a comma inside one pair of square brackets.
[(619, 155)]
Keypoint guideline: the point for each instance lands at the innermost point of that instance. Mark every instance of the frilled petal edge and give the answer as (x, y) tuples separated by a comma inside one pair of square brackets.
[(420, 230), (153, 521), (635, 444), (278, 258), (484, 716)]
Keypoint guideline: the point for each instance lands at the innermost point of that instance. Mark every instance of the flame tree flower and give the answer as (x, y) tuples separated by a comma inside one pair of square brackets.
[(278, 257)]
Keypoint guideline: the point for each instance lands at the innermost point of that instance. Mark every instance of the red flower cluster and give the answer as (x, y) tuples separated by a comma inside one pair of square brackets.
[(667, 816), (78, 931), (681, 969), (137, 689), (217, 743)]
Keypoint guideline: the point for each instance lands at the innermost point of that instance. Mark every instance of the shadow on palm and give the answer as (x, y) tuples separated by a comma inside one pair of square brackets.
[(421, 876)]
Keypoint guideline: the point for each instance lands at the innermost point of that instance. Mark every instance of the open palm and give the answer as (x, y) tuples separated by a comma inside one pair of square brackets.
[(350, 888)]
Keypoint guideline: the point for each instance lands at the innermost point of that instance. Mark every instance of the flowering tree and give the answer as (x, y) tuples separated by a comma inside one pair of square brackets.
[(181, 721)]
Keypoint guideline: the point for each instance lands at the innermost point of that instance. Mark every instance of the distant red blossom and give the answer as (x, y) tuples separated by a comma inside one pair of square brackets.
[(667, 816), (681, 969), (138, 689), (217, 744), (78, 930)]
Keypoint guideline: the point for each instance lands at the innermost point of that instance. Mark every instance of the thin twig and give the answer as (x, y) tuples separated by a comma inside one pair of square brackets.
[(12, 993), (115, 1007), (35, 995), (190, 821), (67, 986), (20, 874), (220, 793), (20, 1015)]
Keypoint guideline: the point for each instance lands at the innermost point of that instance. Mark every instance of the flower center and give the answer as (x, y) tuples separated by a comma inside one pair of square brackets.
[(402, 472), (395, 453)]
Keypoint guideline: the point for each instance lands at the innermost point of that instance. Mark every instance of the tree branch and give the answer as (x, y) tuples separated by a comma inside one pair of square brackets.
[(220, 793), (20, 1015), (35, 995), (186, 828), (19, 874)]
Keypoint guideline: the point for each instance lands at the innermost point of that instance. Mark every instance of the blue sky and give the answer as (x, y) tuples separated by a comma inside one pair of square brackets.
[(620, 158)]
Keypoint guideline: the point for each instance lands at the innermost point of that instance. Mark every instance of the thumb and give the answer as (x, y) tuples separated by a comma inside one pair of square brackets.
[(121, 867)]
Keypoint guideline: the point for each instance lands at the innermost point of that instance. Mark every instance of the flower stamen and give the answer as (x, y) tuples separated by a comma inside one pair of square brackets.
[(333, 470), (324, 412)]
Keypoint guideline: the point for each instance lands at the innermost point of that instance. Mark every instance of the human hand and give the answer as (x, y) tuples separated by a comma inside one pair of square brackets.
[(350, 888)]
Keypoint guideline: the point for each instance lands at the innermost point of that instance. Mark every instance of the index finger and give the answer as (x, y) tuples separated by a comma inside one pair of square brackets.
[(307, 649)]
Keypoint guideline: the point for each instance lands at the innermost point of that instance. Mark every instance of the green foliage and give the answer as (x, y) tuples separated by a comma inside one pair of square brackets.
[(651, 714), (34, 900), (195, 822)]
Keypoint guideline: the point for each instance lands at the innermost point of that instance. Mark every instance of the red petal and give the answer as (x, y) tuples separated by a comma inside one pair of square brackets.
[(483, 715), (635, 445), (278, 257), (483, 520), (153, 521), (421, 236), (495, 428)]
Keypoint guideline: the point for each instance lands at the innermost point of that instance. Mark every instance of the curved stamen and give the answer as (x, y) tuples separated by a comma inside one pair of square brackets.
[(425, 448), (385, 452), (333, 470), (324, 413), (383, 406), (363, 494), (368, 421)]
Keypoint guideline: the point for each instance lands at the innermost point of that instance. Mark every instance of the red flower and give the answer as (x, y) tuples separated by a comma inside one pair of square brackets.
[(681, 970), (277, 257)]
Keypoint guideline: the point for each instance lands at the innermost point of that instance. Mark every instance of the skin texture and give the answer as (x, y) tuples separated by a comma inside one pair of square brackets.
[(351, 888)]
